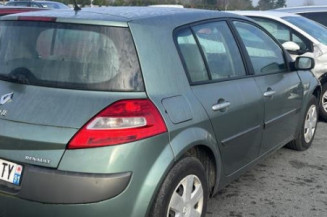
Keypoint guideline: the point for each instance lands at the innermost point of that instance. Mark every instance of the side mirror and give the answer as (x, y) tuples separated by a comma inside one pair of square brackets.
[(291, 46), (304, 63)]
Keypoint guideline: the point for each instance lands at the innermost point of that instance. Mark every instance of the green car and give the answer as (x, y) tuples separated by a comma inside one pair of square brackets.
[(141, 111)]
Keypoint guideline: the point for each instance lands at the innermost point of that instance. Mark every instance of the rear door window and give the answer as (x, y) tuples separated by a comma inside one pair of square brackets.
[(210, 52), (220, 50), (69, 56)]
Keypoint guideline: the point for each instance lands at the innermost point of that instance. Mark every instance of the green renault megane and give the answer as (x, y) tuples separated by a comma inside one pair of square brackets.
[(141, 111)]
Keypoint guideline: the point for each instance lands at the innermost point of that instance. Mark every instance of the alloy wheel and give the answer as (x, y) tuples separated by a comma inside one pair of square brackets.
[(310, 123), (187, 198), (324, 101)]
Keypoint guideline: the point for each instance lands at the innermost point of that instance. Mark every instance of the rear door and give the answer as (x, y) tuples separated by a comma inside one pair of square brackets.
[(231, 99), (282, 90)]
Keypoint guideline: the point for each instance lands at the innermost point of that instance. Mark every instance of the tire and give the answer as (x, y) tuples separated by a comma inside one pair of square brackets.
[(186, 174), (323, 103), (308, 127)]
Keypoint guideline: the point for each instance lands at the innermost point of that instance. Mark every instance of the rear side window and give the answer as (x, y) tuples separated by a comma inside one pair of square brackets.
[(192, 56), (69, 56)]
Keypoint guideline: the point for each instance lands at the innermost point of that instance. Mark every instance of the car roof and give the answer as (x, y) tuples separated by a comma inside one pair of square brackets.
[(159, 15), (303, 9)]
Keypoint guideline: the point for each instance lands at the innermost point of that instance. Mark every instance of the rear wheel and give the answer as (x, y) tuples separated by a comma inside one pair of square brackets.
[(308, 127), (323, 103), (184, 192)]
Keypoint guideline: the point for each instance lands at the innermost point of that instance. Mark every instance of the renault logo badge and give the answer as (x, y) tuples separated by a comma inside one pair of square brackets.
[(6, 98)]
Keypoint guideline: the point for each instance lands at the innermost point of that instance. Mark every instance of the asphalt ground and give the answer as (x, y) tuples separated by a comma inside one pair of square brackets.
[(286, 184)]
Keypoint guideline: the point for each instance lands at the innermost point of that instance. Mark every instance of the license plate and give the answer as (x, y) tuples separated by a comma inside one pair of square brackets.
[(10, 172)]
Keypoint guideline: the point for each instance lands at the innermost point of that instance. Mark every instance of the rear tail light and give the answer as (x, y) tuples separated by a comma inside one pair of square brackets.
[(121, 122)]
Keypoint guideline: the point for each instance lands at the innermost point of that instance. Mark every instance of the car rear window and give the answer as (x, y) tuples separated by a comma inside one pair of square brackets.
[(319, 17), (69, 56), (318, 31)]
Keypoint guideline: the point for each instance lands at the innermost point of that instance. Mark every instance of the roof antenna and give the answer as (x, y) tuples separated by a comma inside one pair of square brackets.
[(76, 8)]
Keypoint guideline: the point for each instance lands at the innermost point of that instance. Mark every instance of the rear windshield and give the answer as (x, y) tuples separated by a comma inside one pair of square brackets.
[(319, 17), (69, 56)]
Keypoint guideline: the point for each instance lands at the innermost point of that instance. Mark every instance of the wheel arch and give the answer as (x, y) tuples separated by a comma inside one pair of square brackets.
[(317, 93), (202, 145), (199, 143), (323, 78), (205, 155)]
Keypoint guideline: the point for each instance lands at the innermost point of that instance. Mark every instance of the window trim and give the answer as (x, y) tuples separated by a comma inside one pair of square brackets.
[(210, 81), (202, 53)]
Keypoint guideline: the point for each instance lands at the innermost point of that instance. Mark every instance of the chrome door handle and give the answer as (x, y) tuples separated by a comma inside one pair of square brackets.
[(269, 93), (220, 106)]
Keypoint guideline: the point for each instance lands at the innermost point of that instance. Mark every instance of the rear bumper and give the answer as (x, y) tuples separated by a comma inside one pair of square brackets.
[(97, 182), (53, 186)]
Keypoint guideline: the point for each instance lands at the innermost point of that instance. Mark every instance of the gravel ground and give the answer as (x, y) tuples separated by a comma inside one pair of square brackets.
[(286, 184)]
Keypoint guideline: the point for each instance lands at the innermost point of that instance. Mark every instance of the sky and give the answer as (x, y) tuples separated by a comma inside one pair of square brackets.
[(293, 3)]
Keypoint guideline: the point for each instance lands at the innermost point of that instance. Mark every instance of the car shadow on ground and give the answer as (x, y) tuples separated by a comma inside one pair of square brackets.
[(288, 183)]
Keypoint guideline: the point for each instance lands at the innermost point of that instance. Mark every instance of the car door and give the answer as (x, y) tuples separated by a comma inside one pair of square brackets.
[(231, 99), (281, 89)]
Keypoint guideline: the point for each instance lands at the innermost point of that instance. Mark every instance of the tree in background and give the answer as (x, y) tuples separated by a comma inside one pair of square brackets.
[(223, 4), (270, 4), (240, 5), (280, 4), (265, 4), (100, 2)]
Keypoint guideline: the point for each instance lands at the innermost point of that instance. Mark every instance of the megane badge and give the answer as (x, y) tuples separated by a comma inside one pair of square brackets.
[(6, 98)]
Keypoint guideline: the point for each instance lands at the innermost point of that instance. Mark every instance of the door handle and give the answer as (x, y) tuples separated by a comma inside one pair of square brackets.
[(221, 106), (269, 93)]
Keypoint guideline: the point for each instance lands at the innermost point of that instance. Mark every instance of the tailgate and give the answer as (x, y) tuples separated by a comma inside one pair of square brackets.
[(38, 122)]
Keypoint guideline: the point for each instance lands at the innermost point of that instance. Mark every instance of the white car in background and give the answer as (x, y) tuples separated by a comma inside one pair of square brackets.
[(300, 37), (315, 13)]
